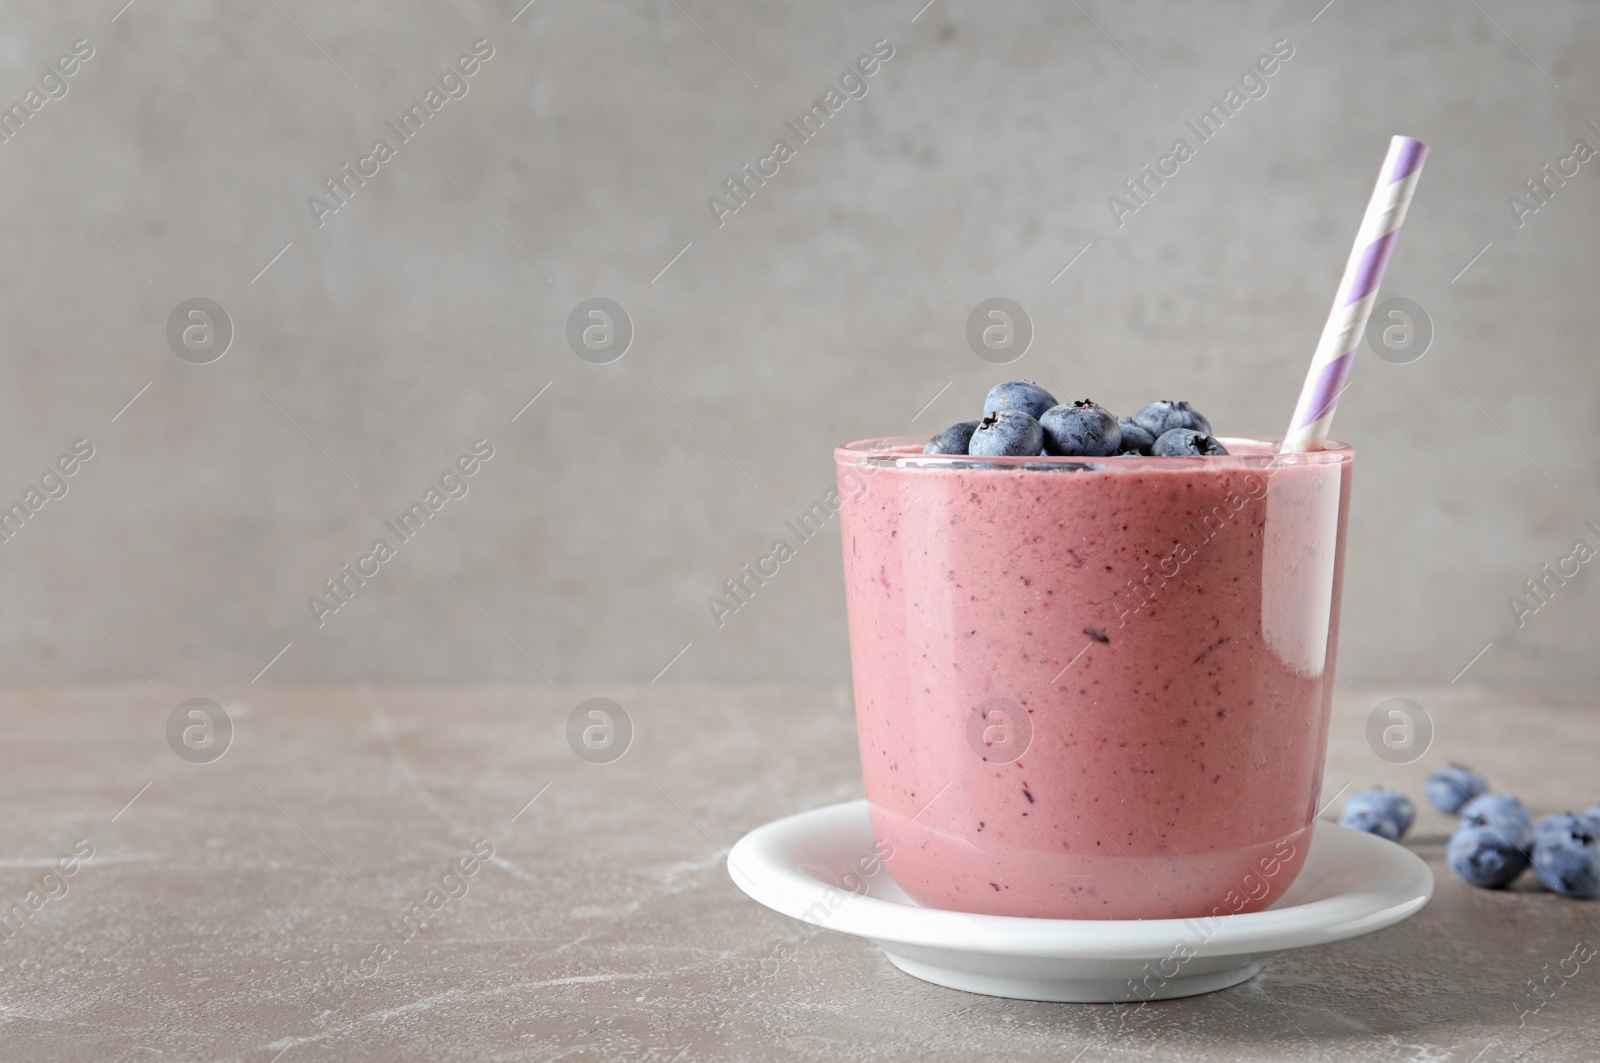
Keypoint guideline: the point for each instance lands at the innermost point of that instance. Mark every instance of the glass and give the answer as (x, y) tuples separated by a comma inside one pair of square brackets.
[(1093, 688)]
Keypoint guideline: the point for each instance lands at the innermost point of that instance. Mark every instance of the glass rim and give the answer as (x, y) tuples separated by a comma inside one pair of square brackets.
[(906, 452)]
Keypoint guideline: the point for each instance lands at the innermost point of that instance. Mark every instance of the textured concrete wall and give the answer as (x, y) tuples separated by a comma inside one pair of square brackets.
[(432, 305)]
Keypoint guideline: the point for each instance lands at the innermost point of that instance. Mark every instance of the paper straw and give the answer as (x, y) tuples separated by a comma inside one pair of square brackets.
[(1336, 350)]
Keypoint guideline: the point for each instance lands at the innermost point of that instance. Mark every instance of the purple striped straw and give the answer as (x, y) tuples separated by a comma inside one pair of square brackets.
[(1380, 226)]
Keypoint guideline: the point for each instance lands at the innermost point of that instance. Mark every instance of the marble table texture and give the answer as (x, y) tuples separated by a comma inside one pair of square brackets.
[(239, 909)]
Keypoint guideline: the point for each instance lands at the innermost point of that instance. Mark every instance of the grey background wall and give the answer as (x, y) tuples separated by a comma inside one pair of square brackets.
[(430, 308)]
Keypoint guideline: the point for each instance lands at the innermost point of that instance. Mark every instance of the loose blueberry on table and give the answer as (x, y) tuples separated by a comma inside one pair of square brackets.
[(1566, 854), (1450, 788), (1485, 856), (1379, 811), (1496, 839), (1501, 812)]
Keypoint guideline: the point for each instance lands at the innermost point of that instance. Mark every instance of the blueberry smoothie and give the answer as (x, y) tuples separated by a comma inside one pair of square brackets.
[(1093, 686)]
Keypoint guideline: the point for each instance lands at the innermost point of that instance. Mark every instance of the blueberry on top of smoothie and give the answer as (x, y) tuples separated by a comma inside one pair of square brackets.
[(1081, 429), (1017, 411), (1164, 416), (1185, 443), (1007, 433), (952, 440), (1136, 438), (1024, 396)]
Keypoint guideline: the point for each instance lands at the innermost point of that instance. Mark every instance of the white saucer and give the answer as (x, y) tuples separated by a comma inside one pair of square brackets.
[(1352, 883)]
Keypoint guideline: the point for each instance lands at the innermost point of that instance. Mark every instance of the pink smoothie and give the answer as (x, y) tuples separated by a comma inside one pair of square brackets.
[(1158, 633)]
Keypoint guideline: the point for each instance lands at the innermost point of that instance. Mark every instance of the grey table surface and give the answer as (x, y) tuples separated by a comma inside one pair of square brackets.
[(233, 909)]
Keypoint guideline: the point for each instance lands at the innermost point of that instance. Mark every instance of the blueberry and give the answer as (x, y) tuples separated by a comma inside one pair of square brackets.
[(1024, 396), (1161, 417), (1484, 857), (1567, 857), (1450, 788), (1186, 443), (1082, 429), (952, 440), (1500, 812), (1382, 802), (1007, 433), (1371, 820), (1136, 438), (1563, 824)]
